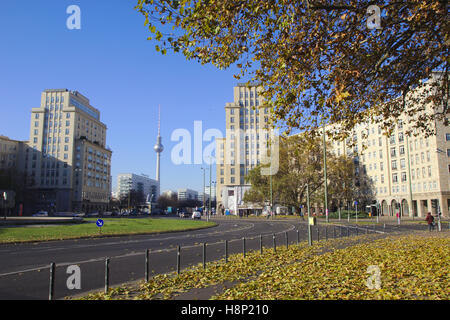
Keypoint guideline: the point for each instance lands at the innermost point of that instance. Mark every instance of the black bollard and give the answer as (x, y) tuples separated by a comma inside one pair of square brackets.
[(147, 264), (106, 275), (52, 281)]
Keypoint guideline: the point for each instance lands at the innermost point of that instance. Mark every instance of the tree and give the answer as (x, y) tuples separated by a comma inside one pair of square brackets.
[(301, 165), (132, 199), (165, 201), (319, 61)]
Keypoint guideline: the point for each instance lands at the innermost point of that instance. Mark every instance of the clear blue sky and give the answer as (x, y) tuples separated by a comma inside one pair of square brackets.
[(111, 62)]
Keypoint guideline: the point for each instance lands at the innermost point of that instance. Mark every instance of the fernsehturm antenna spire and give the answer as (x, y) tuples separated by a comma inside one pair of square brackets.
[(158, 146)]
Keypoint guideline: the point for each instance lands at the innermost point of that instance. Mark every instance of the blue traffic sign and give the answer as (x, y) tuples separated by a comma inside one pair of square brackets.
[(99, 223)]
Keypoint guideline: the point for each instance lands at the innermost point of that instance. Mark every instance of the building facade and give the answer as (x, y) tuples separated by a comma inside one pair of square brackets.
[(243, 148), (187, 194), (409, 173), (67, 162), (140, 183)]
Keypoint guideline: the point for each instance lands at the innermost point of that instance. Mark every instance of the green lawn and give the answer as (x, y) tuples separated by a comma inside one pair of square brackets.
[(111, 226)]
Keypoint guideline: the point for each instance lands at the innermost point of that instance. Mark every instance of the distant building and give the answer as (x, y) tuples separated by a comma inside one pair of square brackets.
[(169, 193), (187, 194), (140, 183)]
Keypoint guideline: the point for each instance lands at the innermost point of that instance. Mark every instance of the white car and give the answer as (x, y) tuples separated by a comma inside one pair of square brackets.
[(197, 215), (41, 214)]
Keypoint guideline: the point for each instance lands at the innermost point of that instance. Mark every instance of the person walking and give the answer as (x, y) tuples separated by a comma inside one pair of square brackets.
[(430, 220)]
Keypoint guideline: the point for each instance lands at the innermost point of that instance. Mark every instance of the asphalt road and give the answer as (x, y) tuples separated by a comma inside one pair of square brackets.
[(24, 268)]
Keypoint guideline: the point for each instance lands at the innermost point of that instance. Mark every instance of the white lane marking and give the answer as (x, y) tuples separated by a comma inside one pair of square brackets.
[(291, 227)]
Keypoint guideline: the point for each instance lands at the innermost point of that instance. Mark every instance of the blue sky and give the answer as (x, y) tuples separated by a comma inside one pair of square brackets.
[(111, 62)]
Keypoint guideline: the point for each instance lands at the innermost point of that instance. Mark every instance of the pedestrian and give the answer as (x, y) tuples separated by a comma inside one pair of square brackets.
[(430, 220)]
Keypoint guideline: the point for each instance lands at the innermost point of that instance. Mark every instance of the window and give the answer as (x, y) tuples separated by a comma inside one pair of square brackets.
[(402, 150), (394, 178), (392, 139), (447, 136), (403, 176), (36, 123), (394, 164), (393, 152), (402, 163), (429, 171)]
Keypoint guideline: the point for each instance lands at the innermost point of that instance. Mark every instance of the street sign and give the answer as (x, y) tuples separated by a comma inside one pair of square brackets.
[(356, 203), (99, 223)]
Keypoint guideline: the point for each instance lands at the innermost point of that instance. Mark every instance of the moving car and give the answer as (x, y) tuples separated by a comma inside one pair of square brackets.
[(196, 215)]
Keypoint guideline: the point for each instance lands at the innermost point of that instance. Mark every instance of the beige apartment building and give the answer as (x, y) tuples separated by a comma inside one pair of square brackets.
[(242, 148), (410, 174), (10, 153), (67, 162), (407, 174)]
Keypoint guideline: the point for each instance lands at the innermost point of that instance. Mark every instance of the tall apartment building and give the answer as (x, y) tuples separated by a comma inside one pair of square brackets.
[(140, 183), (407, 172), (67, 162), (247, 135)]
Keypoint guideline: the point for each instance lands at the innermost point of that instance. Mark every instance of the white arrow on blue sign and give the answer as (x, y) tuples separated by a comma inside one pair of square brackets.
[(99, 223)]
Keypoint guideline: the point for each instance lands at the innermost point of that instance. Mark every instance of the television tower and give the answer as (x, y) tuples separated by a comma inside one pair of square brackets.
[(158, 146)]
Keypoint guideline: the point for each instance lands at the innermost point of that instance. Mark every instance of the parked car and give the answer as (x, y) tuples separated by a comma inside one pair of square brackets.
[(196, 215), (41, 214)]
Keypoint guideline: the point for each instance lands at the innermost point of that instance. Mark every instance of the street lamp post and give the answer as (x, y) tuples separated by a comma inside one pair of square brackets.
[(210, 186), (308, 208), (325, 172)]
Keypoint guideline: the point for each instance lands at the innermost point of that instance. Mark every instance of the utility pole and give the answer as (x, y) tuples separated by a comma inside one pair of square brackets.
[(210, 186), (325, 172), (203, 191), (271, 199), (309, 224)]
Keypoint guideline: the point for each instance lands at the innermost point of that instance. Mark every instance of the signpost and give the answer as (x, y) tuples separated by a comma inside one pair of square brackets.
[(100, 224), (356, 206)]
